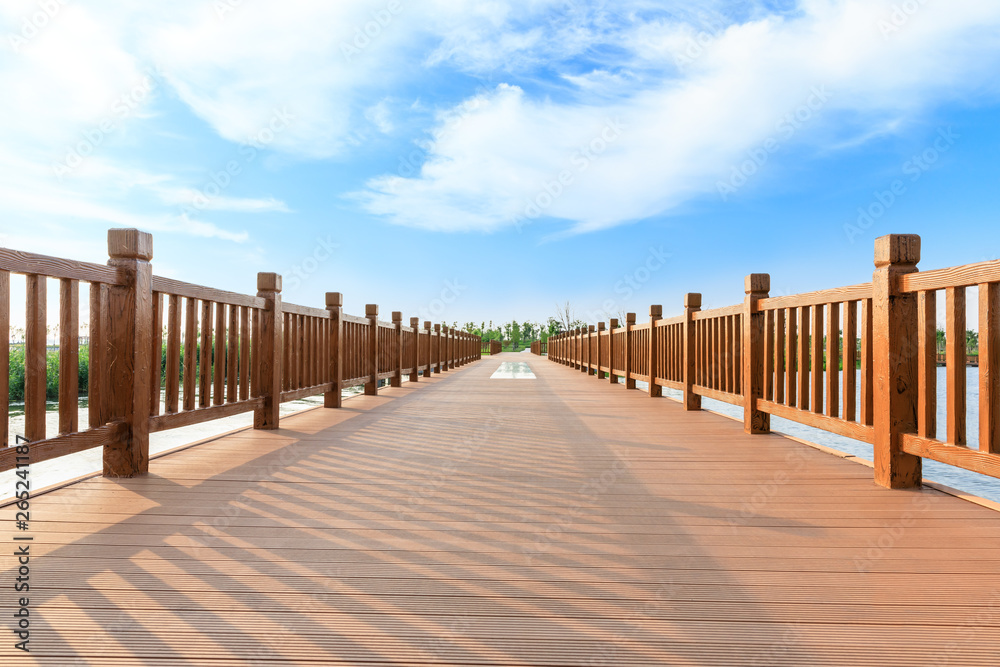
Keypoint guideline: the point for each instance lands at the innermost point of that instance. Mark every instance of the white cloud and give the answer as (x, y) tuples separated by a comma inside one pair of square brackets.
[(689, 128)]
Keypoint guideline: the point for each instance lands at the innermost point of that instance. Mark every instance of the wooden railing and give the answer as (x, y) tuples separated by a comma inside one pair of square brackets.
[(491, 347), (539, 347), (226, 353), (782, 356)]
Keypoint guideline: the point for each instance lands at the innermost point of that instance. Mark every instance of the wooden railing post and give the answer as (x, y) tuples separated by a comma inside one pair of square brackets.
[(415, 325), (335, 306), (437, 349), (429, 358), (757, 286), (588, 333), (896, 361), (692, 305), (371, 312), (130, 337), (600, 358), (578, 348), (612, 327), (268, 352), (655, 315), (445, 348), (629, 323), (397, 321)]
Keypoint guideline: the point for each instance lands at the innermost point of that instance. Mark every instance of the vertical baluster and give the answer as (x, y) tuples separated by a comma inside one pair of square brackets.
[(219, 358), (927, 364), (833, 361), (190, 351), (156, 356), (96, 357), (779, 355), (804, 340), (35, 377), (792, 359), (851, 361), (989, 368), (205, 356), (69, 356), (232, 357), (956, 361), (173, 370), (867, 380), (816, 341), (4, 359), (244, 371)]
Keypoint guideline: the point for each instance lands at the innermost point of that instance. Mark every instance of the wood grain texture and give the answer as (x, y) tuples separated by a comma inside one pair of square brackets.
[(833, 360), (189, 417), (35, 377), (190, 351), (955, 353), (269, 361), (804, 341), (97, 369), (895, 326), (4, 358), (989, 368), (205, 356), (927, 364), (191, 291), (822, 422), (867, 374), (71, 443), (968, 275), (156, 355), (172, 382), (69, 356), (823, 297), (28, 263), (850, 398), (816, 356)]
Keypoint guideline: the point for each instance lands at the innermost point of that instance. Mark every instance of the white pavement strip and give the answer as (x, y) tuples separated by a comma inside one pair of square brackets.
[(513, 370)]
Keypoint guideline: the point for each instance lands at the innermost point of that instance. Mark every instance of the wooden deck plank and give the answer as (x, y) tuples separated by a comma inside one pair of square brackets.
[(469, 521)]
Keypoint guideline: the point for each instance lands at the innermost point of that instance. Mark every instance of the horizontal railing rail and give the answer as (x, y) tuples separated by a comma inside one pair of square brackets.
[(858, 361), (163, 354)]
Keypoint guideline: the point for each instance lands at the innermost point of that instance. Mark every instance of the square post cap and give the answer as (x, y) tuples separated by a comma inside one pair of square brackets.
[(371, 310), (437, 327), (130, 244), (897, 249), (427, 325), (692, 300), (630, 318), (600, 326), (757, 282), (656, 312), (268, 282), (415, 322), (590, 329), (613, 323), (397, 316), (334, 300)]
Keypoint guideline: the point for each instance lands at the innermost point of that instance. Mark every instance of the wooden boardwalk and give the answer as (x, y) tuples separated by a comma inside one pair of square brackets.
[(554, 521)]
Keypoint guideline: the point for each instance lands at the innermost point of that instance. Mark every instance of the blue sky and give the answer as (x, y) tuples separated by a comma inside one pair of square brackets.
[(487, 160)]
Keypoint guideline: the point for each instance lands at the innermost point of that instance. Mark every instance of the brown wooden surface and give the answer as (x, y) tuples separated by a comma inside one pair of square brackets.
[(34, 357), (4, 359), (69, 356), (955, 350), (549, 522), (989, 370)]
